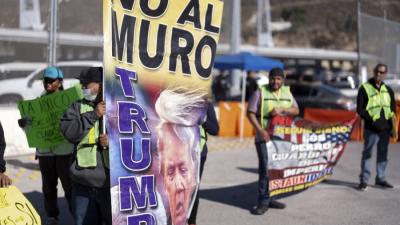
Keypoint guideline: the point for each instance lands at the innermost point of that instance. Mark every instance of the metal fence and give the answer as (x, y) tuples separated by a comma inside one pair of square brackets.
[(380, 43)]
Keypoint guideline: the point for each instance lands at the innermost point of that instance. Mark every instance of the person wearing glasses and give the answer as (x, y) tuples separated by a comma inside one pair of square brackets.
[(376, 106), (54, 162)]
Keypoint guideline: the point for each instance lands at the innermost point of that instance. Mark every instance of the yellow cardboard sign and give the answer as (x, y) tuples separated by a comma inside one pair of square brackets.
[(16, 209)]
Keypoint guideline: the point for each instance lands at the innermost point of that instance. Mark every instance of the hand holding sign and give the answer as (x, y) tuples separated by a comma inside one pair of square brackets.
[(5, 181), (100, 109)]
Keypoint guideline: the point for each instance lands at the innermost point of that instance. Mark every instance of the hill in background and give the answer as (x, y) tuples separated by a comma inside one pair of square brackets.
[(330, 24)]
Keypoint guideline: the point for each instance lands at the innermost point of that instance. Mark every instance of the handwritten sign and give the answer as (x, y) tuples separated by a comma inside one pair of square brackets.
[(16, 209), (45, 113)]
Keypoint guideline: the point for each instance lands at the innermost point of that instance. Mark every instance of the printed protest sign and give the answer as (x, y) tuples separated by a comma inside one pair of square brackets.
[(158, 58), (45, 113), (302, 153), (16, 209)]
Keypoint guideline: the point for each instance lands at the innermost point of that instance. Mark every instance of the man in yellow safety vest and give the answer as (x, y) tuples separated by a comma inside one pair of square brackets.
[(270, 100), (376, 106)]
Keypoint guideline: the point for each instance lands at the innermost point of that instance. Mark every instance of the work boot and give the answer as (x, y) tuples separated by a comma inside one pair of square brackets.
[(259, 209), (362, 187), (383, 184)]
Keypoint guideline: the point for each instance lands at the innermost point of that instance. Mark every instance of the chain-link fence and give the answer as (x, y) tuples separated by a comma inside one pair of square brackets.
[(380, 43)]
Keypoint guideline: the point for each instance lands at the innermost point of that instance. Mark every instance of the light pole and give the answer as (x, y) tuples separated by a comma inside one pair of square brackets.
[(52, 45), (235, 43), (360, 76), (264, 31), (235, 27)]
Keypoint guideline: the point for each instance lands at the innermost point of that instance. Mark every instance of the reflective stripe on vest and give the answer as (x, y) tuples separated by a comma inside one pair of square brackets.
[(203, 138), (270, 100), (87, 147), (378, 100)]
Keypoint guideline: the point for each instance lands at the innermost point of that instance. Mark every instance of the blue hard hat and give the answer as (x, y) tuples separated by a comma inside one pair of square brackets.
[(53, 72)]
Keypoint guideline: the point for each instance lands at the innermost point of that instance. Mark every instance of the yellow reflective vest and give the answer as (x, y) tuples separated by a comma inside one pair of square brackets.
[(203, 138), (87, 147), (378, 100), (270, 100)]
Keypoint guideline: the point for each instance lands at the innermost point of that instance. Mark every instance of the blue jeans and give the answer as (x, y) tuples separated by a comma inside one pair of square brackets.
[(370, 140), (91, 206), (263, 181)]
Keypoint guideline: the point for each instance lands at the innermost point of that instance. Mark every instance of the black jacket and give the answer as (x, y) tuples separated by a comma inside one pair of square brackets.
[(362, 100), (2, 149), (210, 126)]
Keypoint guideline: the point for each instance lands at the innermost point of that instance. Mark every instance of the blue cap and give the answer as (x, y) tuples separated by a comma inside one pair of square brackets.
[(53, 72)]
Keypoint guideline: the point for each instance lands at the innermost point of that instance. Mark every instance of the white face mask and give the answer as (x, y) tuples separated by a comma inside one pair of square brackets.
[(87, 94)]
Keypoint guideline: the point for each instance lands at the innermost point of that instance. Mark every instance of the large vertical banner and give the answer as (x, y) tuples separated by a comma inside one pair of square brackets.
[(158, 58)]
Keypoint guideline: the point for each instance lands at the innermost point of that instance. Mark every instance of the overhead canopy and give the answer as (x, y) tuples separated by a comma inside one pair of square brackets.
[(246, 61)]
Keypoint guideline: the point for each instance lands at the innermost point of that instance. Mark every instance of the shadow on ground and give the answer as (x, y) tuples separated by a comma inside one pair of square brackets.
[(36, 198), (340, 183), (249, 170), (242, 196), (20, 164)]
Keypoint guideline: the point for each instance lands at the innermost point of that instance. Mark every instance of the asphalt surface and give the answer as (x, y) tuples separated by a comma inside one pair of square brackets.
[(229, 190)]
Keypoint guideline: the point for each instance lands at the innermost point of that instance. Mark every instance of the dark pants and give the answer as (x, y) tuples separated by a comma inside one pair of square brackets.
[(370, 140), (263, 188), (52, 168), (193, 214), (90, 205)]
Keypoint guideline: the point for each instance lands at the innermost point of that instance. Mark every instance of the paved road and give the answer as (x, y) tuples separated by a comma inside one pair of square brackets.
[(229, 190)]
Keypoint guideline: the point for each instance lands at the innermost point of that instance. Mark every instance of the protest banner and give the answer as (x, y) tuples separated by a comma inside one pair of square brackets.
[(301, 153), (158, 58), (16, 209), (45, 113)]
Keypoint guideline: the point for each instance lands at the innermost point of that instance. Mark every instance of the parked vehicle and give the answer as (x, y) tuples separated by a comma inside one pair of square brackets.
[(18, 69), (31, 86), (319, 95)]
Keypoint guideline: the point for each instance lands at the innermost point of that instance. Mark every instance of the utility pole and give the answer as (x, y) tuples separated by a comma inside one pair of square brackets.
[(360, 76), (236, 27), (235, 43), (385, 59), (52, 45), (264, 31)]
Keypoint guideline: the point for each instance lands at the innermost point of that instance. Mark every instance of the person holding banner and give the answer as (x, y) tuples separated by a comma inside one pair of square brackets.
[(210, 126), (54, 162), (268, 101), (82, 126), (5, 181), (376, 106)]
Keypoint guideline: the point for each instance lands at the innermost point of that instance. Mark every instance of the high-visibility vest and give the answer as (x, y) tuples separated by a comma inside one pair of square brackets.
[(270, 100), (87, 147), (203, 138), (378, 100)]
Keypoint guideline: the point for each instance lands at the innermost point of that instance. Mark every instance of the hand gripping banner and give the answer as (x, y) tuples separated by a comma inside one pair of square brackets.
[(303, 153), (158, 58)]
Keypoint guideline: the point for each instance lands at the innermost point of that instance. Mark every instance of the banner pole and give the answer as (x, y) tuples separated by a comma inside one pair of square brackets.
[(243, 106)]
